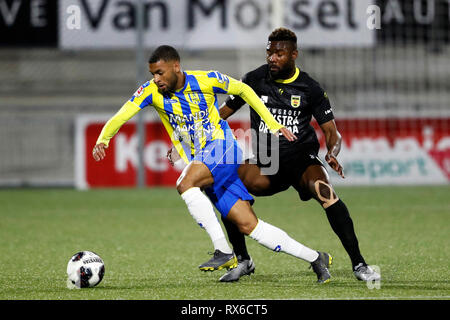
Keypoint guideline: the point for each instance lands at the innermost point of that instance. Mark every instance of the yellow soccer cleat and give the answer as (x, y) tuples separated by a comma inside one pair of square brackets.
[(219, 261), (320, 267)]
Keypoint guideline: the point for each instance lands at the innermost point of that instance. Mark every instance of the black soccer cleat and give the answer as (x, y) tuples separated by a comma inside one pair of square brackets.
[(320, 267), (219, 261), (244, 267)]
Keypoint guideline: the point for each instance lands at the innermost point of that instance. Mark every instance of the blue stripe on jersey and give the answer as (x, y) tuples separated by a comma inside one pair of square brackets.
[(196, 87), (221, 78), (217, 90), (147, 101), (168, 109), (203, 106), (225, 126), (186, 109), (229, 138), (216, 103), (212, 74), (216, 74)]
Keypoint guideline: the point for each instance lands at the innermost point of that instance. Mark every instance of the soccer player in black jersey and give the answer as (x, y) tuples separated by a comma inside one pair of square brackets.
[(294, 97)]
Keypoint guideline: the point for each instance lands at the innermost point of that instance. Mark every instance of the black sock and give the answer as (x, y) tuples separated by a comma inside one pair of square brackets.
[(236, 238), (342, 225)]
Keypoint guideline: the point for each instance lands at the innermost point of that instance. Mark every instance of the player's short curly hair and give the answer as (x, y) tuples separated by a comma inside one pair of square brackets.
[(164, 52), (283, 34)]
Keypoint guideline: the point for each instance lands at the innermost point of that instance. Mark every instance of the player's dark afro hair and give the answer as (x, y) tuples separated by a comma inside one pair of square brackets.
[(283, 34), (165, 53)]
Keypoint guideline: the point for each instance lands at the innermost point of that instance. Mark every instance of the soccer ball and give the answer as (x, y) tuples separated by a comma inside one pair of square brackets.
[(85, 269)]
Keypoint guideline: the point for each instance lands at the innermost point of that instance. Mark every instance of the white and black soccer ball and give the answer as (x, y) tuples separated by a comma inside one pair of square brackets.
[(85, 269)]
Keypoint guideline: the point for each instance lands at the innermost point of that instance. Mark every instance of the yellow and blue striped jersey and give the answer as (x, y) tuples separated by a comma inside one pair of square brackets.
[(190, 114)]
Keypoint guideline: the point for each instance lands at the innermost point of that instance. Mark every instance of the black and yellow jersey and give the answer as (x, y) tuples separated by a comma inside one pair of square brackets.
[(293, 102)]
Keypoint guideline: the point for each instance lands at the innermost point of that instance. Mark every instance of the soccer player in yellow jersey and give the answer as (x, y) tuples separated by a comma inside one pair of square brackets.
[(186, 102)]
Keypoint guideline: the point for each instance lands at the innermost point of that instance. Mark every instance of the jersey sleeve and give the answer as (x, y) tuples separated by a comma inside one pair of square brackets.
[(140, 99), (321, 108), (236, 102), (227, 85), (219, 82), (128, 110), (144, 95), (245, 92)]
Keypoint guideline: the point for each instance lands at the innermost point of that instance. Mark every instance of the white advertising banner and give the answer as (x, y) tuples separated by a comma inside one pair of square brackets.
[(408, 151), (376, 162), (202, 24)]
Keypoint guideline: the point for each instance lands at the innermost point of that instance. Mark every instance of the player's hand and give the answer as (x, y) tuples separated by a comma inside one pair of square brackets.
[(288, 134), (173, 155), (99, 151), (334, 164)]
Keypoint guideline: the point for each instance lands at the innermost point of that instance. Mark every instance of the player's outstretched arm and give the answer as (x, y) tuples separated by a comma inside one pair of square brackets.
[(249, 96), (333, 141), (111, 127), (225, 112)]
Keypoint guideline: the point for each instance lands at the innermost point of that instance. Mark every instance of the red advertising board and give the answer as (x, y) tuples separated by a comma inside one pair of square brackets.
[(119, 168)]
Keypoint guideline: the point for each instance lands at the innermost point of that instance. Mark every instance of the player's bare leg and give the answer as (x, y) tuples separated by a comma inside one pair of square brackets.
[(195, 175), (275, 239), (193, 178), (255, 182), (316, 180)]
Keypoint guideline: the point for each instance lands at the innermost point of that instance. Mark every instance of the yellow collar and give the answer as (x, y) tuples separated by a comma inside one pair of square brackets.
[(291, 79)]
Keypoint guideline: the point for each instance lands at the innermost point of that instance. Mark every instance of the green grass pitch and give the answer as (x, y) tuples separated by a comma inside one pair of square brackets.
[(152, 246)]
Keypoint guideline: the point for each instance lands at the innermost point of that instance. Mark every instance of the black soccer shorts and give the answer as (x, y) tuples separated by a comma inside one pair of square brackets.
[(291, 169)]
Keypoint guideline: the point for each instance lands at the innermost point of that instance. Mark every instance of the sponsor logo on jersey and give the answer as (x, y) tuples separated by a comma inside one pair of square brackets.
[(264, 99), (295, 101)]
